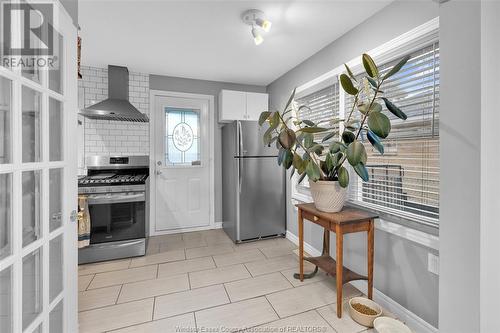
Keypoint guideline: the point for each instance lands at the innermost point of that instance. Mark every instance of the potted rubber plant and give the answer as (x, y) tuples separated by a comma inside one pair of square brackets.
[(319, 151)]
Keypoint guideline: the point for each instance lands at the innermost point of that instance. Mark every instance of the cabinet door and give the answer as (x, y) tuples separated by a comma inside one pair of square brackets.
[(256, 103), (232, 105)]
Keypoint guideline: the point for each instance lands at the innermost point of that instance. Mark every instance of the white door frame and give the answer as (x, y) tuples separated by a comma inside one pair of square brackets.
[(64, 25), (153, 116)]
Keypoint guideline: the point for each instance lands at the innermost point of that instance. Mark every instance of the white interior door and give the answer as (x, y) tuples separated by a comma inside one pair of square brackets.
[(182, 163), (38, 190)]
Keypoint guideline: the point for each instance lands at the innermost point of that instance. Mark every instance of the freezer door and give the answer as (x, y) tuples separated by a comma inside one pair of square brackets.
[(250, 136), (262, 196)]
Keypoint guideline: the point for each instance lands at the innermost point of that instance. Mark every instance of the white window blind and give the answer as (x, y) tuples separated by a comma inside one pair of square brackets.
[(322, 107), (405, 180)]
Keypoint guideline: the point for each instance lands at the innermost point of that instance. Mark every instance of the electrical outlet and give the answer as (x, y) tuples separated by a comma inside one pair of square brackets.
[(433, 263)]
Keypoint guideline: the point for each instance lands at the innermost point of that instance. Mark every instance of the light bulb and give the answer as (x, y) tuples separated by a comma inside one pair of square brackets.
[(264, 24), (257, 38)]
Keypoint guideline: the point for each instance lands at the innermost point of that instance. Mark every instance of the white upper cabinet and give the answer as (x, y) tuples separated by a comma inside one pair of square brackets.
[(241, 105), (256, 103)]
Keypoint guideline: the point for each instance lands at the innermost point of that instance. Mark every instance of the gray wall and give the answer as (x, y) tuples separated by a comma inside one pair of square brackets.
[(71, 7), (460, 135), (490, 159), (400, 265), (169, 83)]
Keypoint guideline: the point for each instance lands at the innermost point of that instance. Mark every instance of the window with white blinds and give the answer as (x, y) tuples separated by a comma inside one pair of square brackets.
[(322, 107), (405, 180)]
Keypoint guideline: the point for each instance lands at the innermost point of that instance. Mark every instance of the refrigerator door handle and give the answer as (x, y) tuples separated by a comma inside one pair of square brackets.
[(240, 164)]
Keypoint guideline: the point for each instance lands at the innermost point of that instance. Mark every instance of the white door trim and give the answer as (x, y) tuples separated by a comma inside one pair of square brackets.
[(152, 161)]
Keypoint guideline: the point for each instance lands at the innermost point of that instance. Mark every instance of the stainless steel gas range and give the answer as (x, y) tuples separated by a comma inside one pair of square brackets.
[(117, 196)]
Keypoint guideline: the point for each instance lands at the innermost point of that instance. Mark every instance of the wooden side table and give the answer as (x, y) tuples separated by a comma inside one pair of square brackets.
[(348, 220)]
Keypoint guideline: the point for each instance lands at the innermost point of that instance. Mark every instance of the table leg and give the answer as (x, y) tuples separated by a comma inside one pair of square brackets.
[(301, 245), (326, 242), (371, 243), (340, 253)]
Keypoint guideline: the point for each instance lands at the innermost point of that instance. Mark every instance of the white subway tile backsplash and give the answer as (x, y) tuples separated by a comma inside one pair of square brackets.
[(106, 137)]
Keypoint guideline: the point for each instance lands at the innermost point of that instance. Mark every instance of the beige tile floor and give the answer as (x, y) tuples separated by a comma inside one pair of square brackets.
[(201, 281)]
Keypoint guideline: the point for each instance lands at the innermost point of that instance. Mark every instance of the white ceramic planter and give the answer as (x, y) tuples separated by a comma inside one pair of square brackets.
[(328, 196)]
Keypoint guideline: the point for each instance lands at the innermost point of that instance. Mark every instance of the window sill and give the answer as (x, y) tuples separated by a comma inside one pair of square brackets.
[(420, 237)]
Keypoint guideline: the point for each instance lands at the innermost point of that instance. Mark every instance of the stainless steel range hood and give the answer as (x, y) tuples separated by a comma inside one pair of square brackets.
[(117, 106)]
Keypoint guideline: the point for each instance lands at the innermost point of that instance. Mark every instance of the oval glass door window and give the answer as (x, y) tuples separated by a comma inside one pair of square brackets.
[(182, 139)]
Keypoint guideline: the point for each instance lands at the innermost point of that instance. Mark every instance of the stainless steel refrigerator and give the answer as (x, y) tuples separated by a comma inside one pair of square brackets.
[(253, 184)]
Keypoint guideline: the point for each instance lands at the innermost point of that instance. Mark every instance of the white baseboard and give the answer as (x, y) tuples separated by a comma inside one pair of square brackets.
[(307, 247), (417, 324), (218, 225)]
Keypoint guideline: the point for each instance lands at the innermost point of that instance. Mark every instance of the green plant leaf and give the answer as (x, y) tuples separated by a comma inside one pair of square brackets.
[(379, 124), (397, 67), (337, 158), (290, 100), (312, 171), (329, 162), (317, 149), (281, 156), (263, 117), (268, 136), (376, 107), (375, 141), (328, 136), (274, 120), (355, 153), (336, 146), (313, 129), (372, 82), (309, 123), (394, 109), (350, 73), (347, 85), (288, 159), (298, 163), (287, 138), (308, 140), (369, 65), (361, 171), (348, 137), (343, 177)]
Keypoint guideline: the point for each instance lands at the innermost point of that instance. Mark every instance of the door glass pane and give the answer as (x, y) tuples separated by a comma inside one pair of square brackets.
[(32, 138), (56, 73), (55, 198), (6, 300), (5, 215), (39, 329), (56, 267), (182, 139), (56, 319), (31, 206), (32, 287), (5, 114), (55, 130)]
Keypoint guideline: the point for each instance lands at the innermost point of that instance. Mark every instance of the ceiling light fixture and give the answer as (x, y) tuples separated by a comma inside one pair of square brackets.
[(256, 18), (257, 38)]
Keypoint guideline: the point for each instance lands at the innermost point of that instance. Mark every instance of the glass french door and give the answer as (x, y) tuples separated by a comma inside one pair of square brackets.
[(38, 191)]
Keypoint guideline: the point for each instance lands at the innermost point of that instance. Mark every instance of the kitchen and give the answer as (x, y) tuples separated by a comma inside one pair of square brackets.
[(256, 166)]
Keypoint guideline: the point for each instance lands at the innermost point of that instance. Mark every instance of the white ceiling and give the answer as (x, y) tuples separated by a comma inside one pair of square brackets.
[(207, 39)]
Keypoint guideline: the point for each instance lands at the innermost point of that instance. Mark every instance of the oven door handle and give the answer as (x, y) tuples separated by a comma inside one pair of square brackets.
[(116, 198)]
